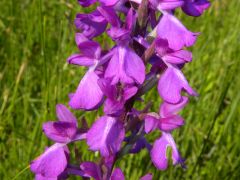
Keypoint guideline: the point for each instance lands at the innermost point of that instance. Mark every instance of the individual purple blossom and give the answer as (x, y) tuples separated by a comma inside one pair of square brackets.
[(147, 177), (159, 152), (88, 95)]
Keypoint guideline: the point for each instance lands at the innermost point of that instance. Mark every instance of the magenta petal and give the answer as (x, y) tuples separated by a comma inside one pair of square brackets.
[(40, 177), (80, 60), (88, 95), (65, 115), (196, 7), (151, 122), (90, 49), (110, 15), (91, 25), (115, 69), (51, 163), (178, 57), (170, 85), (147, 177), (106, 135), (90, 169), (134, 66), (171, 29), (108, 2), (130, 20), (171, 123), (86, 3), (129, 92), (62, 132), (159, 150), (117, 174), (168, 109), (166, 4)]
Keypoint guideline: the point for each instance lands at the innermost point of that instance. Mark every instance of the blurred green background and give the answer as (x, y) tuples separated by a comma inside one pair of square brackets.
[(36, 37)]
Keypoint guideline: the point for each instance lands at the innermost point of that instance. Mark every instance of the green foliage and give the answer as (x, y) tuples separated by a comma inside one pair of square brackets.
[(36, 37)]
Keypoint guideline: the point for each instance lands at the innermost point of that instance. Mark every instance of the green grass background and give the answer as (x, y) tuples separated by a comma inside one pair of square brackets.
[(36, 37)]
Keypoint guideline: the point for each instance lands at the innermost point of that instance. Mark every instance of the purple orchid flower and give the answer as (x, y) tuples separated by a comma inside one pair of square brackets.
[(88, 95), (116, 77), (106, 135), (159, 152), (195, 7), (63, 132)]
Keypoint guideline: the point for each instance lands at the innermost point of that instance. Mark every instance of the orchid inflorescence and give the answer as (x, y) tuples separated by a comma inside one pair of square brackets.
[(145, 33)]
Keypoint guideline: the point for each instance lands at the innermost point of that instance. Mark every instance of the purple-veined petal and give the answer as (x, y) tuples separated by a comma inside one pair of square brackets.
[(86, 3), (151, 121), (166, 4), (88, 95), (119, 34), (195, 7), (62, 132), (80, 60), (52, 162), (106, 135), (170, 123), (171, 29), (170, 85), (117, 174), (147, 177), (168, 109), (91, 25), (159, 152), (90, 49), (90, 169)]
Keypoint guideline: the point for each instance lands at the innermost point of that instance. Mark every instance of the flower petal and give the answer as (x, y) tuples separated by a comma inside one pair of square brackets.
[(88, 95), (171, 29), (65, 115), (80, 60), (171, 123), (62, 132), (91, 25), (170, 85), (166, 4), (134, 66), (90, 169), (178, 57), (117, 174), (86, 3), (147, 177), (168, 109), (159, 152), (45, 165), (195, 8), (151, 122), (106, 135)]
